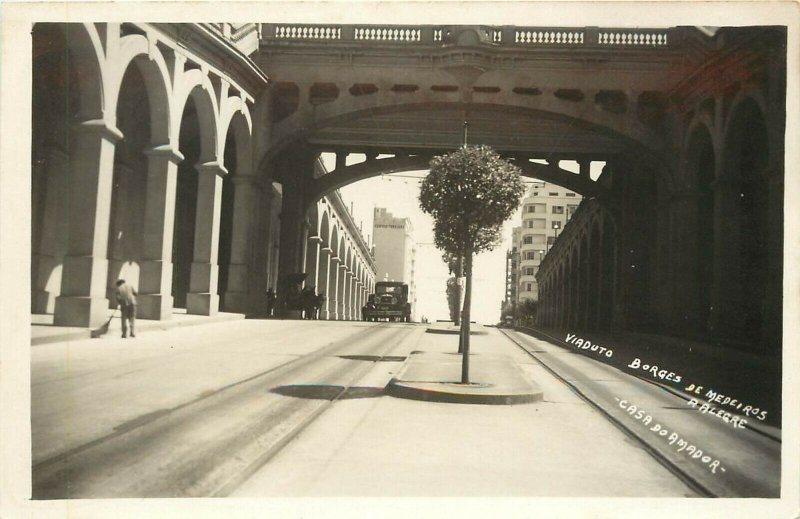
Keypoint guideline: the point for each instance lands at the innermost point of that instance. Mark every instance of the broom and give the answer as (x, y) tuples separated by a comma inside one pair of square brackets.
[(99, 332)]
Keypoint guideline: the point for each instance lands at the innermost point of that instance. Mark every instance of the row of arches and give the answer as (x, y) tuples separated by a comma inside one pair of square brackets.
[(136, 160), (700, 257), (576, 289), (337, 263)]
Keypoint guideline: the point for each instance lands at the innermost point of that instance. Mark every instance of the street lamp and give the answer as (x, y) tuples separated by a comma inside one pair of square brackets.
[(541, 255)]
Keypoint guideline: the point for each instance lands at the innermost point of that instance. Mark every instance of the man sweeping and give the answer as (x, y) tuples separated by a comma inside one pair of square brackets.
[(126, 298)]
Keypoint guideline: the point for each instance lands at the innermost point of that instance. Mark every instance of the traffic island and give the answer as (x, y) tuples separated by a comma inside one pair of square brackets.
[(495, 379), (451, 329)]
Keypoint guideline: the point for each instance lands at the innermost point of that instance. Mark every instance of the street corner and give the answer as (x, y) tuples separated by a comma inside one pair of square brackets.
[(495, 379)]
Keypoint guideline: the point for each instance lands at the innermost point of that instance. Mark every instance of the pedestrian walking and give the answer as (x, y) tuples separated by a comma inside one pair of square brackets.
[(271, 298), (126, 299)]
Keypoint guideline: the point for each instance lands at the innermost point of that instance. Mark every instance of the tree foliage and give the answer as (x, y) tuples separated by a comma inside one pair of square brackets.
[(470, 193)]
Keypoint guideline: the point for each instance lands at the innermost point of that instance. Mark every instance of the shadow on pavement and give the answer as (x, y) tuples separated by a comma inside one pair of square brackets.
[(326, 392)]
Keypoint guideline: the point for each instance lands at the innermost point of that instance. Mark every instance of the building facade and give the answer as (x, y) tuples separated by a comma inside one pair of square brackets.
[(395, 251), (545, 211)]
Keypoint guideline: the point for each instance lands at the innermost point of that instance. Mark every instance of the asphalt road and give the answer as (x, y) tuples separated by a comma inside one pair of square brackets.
[(188, 412)]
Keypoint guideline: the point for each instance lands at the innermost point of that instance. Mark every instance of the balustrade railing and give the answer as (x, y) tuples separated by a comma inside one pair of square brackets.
[(395, 34), (505, 36), (632, 38), (548, 37), (307, 32)]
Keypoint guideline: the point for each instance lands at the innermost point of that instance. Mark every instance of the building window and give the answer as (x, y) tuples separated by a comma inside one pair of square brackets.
[(530, 271), (570, 194), (558, 209), (530, 209), (571, 208), (528, 286), (530, 255), (529, 224), (553, 194), (551, 240), (555, 224), (527, 240)]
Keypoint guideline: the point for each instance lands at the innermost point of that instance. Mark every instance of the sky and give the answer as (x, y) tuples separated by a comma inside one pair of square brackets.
[(399, 195)]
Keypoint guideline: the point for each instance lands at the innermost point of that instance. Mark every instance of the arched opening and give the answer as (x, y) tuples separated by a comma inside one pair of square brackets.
[(333, 271), (56, 101), (129, 186), (185, 204), (595, 274), (701, 164), (606, 310), (746, 154)]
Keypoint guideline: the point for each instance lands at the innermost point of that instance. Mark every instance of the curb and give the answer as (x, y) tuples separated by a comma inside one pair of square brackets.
[(431, 392), (79, 335), (451, 392), (454, 332)]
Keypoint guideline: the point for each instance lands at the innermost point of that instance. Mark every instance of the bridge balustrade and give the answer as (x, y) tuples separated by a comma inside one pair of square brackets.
[(520, 37)]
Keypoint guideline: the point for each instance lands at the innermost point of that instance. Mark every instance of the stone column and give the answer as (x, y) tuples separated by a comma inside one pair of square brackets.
[(346, 277), (155, 279), (351, 285), (203, 298), (83, 282), (245, 200), (324, 280), (727, 286), (51, 244), (340, 296), (333, 286), (312, 262)]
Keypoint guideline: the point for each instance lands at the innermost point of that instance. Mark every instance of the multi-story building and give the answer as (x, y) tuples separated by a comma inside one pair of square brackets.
[(395, 252), (545, 211), (512, 271)]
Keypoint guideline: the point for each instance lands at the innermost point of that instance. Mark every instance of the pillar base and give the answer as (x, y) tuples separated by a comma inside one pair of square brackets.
[(80, 311), (202, 303), (327, 316), (154, 306), (238, 302)]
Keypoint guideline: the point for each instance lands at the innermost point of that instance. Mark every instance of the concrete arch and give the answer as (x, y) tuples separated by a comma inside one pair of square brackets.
[(733, 127), (196, 84), (85, 45), (235, 114), (135, 49), (324, 230), (306, 120), (629, 132), (700, 133)]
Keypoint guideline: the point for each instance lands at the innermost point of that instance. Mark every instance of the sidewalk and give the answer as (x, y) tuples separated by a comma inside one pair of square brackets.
[(749, 378), (44, 332)]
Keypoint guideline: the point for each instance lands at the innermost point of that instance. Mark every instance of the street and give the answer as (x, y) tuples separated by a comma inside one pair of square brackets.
[(297, 408)]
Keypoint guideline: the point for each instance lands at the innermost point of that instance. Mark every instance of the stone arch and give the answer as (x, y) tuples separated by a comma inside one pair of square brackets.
[(195, 84), (67, 88), (135, 50), (236, 116)]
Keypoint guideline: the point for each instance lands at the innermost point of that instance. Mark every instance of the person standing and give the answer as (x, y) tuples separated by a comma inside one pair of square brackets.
[(126, 298)]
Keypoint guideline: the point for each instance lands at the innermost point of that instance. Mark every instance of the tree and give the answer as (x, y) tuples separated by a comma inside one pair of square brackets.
[(469, 193)]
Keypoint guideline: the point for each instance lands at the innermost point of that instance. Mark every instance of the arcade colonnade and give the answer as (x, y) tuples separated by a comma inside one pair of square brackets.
[(143, 170), (694, 253)]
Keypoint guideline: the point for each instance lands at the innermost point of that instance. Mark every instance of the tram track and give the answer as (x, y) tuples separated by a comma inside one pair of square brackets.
[(736, 482), (208, 445)]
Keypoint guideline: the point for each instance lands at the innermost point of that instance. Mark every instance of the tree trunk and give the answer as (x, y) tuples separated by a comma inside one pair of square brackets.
[(465, 320), (459, 305)]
